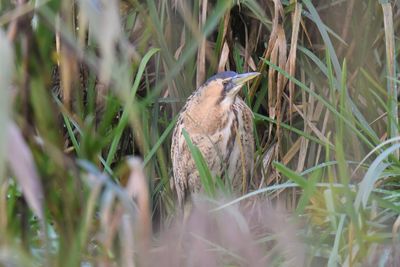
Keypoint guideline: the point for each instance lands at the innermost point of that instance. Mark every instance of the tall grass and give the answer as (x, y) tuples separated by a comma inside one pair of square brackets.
[(88, 87)]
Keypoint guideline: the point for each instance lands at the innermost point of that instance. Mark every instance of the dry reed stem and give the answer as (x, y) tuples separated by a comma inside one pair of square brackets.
[(137, 187), (291, 63), (201, 53)]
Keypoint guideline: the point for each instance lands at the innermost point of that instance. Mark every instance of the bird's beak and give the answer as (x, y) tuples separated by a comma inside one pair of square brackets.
[(240, 79)]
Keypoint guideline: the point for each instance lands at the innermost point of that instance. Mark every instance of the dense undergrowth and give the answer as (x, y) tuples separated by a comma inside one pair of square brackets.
[(90, 86)]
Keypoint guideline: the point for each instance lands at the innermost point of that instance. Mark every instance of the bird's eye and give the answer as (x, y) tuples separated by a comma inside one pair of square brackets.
[(227, 84), (226, 81)]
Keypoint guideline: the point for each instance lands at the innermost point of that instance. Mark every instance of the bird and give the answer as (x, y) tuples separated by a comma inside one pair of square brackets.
[(220, 124)]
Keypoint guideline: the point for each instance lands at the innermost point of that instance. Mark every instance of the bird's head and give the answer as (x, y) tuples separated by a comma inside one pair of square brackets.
[(207, 107), (224, 86)]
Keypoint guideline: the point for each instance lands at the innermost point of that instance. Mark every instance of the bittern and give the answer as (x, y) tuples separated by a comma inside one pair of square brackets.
[(220, 124)]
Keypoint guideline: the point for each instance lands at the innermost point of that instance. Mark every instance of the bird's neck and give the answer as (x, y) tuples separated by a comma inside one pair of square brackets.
[(206, 116)]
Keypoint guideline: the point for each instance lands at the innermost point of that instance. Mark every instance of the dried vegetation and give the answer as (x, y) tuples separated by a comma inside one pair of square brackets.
[(87, 87)]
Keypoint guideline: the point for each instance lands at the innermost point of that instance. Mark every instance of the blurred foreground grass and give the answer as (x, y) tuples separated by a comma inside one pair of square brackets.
[(85, 85)]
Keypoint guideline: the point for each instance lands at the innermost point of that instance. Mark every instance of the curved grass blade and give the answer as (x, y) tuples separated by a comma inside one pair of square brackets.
[(128, 105), (372, 175), (293, 129)]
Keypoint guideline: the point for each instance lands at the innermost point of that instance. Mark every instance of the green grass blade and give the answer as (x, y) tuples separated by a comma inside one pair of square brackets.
[(372, 175), (160, 141), (292, 129), (322, 29), (128, 104), (326, 103), (204, 172), (334, 255)]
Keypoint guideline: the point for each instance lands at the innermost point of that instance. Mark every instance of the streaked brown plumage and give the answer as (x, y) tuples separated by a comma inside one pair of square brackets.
[(220, 124)]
